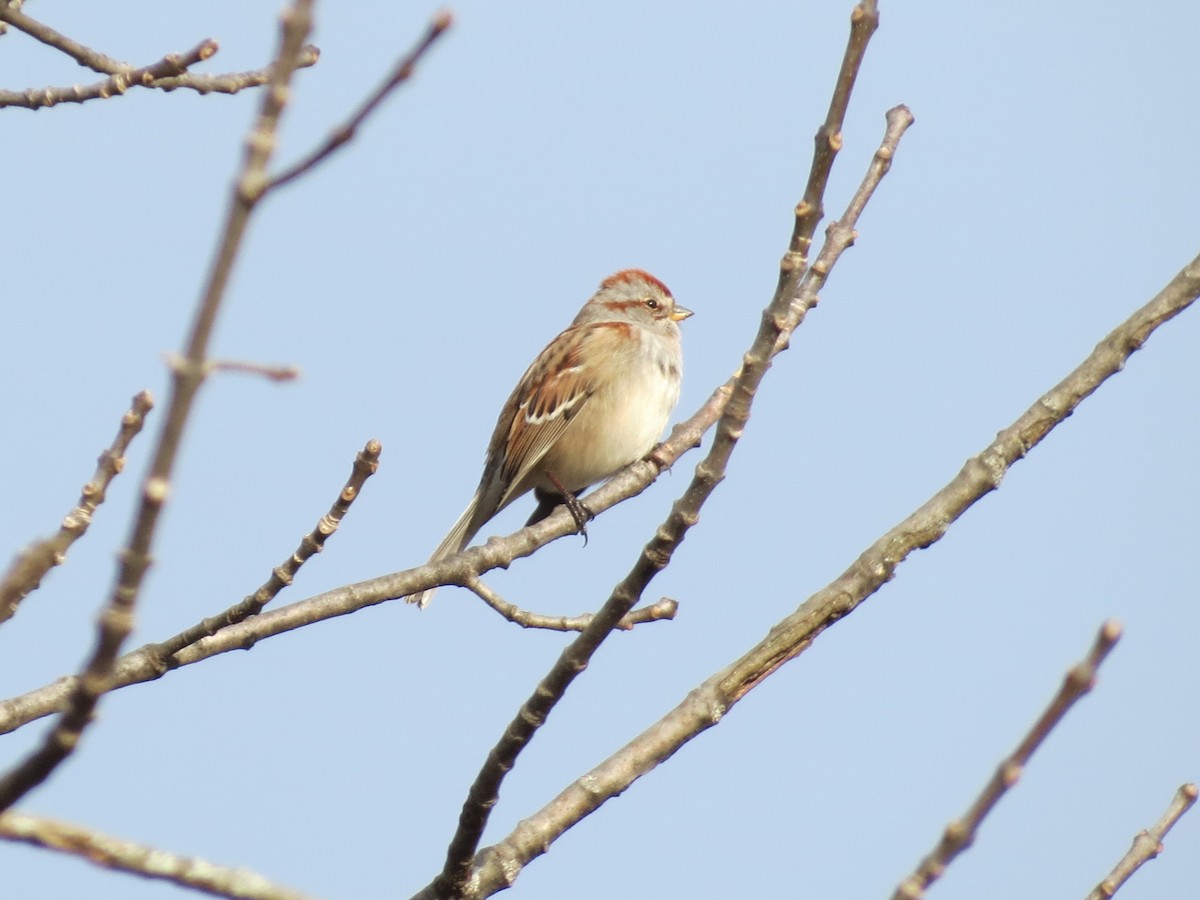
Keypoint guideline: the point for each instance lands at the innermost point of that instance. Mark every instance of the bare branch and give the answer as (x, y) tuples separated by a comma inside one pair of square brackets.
[(366, 463), (960, 834), (344, 133), (1147, 844), (270, 372), (31, 565), (663, 609), (116, 621), (85, 56), (138, 859), (232, 82), (828, 139), (170, 66), (167, 74)]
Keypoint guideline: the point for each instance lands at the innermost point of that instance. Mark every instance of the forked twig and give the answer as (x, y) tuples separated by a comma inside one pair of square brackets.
[(168, 74)]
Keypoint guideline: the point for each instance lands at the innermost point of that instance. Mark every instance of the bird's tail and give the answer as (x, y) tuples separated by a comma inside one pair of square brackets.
[(460, 535)]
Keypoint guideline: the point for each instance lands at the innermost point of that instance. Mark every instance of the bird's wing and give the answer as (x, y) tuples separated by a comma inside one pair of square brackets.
[(548, 398)]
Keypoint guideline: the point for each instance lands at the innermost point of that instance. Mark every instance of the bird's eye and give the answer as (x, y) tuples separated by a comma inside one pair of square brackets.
[(652, 303)]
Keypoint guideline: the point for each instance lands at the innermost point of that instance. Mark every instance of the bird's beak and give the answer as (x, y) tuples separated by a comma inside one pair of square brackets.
[(680, 313)]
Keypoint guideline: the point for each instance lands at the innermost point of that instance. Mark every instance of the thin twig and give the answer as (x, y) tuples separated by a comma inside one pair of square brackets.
[(168, 74), (960, 834), (172, 65), (140, 665), (663, 609), (85, 56), (706, 704), (116, 621), (366, 463), (1147, 844), (243, 367), (138, 859), (864, 20), (232, 82), (344, 133), (31, 565)]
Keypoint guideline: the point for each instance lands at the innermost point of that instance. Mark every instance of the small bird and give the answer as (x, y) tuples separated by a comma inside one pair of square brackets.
[(595, 400)]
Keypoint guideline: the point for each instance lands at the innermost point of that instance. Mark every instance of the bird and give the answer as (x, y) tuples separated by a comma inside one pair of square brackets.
[(593, 401)]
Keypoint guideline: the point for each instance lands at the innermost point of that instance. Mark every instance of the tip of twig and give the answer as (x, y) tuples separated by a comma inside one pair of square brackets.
[(208, 49), (442, 20)]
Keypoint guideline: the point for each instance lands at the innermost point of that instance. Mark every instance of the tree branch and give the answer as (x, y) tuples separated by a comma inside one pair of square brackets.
[(366, 463), (31, 565), (828, 139), (345, 133), (1146, 844), (138, 859), (960, 834), (663, 609), (170, 66), (85, 56), (232, 82), (116, 621), (167, 74)]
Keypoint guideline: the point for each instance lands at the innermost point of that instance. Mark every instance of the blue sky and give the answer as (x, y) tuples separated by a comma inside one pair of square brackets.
[(1048, 188)]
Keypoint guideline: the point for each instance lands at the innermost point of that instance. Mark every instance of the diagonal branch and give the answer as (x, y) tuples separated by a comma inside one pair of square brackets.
[(960, 834), (39, 31), (366, 463), (232, 82), (709, 702), (31, 565), (116, 621), (1146, 845), (172, 65), (138, 859), (167, 74), (828, 139), (344, 133)]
